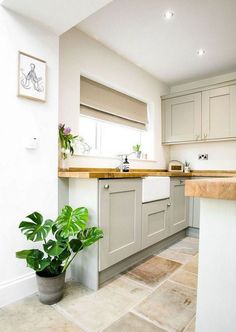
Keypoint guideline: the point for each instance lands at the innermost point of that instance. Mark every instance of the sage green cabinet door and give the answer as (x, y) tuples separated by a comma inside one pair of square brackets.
[(179, 206), (120, 209), (155, 222), (219, 113), (196, 212), (182, 118)]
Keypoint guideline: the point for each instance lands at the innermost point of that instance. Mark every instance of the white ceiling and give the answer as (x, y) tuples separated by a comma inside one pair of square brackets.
[(137, 30), (58, 15)]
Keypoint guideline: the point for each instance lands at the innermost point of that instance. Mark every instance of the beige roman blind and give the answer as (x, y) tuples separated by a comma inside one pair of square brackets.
[(101, 102)]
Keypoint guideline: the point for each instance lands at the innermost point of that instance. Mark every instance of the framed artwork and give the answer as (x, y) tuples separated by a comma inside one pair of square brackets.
[(31, 77)]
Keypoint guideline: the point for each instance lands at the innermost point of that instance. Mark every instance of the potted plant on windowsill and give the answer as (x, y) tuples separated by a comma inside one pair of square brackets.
[(137, 150), (68, 235)]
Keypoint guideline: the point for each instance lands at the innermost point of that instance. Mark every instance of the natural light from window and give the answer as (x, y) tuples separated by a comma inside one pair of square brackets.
[(110, 139)]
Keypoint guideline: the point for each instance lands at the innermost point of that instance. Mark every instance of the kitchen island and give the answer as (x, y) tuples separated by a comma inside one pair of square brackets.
[(216, 305)]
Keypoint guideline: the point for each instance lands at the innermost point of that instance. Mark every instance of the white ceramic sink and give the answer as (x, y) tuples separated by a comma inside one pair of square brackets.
[(155, 188)]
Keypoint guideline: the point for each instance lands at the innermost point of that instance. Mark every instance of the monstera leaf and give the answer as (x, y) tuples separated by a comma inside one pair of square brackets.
[(54, 248), (70, 221), (23, 253), (34, 259), (76, 245), (89, 236), (36, 229)]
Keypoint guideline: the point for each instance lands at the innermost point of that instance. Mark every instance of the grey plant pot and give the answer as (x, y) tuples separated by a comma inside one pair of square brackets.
[(138, 154), (50, 289)]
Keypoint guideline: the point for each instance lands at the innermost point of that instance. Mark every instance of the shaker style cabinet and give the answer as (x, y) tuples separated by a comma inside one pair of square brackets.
[(182, 118), (194, 212), (219, 113), (179, 206), (203, 116), (120, 212), (155, 222)]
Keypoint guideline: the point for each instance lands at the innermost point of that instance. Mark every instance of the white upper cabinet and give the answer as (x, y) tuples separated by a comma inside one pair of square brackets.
[(202, 116), (219, 113), (182, 118)]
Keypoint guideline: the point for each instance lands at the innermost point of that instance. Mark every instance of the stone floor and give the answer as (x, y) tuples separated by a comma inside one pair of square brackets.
[(157, 295)]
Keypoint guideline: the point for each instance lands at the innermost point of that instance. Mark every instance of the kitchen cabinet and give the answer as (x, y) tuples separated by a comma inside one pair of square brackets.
[(182, 118), (208, 114), (120, 209), (179, 206), (155, 222), (219, 113), (194, 212)]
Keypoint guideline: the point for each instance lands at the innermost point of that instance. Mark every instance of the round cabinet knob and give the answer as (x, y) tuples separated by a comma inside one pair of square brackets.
[(168, 204), (106, 186)]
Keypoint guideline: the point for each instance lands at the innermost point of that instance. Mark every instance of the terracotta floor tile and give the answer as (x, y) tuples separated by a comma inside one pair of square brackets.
[(171, 306), (95, 310), (185, 278), (192, 266), (191, 327), (175, 255), (153, 270), (186, 246), (192, 239), (29, 315), (132, 323)]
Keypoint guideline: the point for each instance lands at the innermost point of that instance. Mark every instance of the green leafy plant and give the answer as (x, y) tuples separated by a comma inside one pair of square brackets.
[(68, 234), (67, 140), (137, 147)]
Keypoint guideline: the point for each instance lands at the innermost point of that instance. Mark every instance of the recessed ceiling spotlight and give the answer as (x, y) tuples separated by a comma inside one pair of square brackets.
[(168, 15), (201, 52)]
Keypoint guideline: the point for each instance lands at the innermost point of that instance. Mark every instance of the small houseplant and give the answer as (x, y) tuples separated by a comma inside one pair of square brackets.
[(62, 240), (137, 150), (67, 142)]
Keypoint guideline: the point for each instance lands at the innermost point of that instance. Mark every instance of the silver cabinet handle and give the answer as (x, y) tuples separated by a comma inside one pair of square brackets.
[(106, 186)]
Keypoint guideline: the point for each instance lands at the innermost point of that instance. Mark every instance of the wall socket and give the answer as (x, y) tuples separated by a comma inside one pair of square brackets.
[(203, 156)]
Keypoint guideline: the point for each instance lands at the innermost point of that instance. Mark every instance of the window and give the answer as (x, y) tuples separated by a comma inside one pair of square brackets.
[(110, 139), (111, 122)]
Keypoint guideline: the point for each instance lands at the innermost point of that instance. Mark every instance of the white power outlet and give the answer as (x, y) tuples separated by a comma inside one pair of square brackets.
[(203, 156)]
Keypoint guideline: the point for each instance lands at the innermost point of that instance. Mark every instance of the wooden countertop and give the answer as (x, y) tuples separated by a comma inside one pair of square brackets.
[(223, 188), (111, 173)]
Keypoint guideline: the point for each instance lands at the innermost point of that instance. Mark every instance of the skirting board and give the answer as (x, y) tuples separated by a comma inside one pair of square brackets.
[(17, 289), (193, 232), (128, 262)]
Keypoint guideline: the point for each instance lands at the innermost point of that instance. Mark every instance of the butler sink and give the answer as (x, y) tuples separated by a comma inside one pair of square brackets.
[(155, 188)]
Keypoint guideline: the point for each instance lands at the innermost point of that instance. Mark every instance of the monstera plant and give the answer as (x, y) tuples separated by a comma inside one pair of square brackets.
[(62, 240)]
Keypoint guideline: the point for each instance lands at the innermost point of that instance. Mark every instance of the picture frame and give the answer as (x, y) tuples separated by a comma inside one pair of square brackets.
[(31, 77)]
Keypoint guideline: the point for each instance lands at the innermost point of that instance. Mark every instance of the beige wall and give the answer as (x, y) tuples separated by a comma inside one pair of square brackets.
[(28, 177), (80, 54)]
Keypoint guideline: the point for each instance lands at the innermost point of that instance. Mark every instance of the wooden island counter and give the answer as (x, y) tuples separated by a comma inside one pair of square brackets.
[(216, 305)]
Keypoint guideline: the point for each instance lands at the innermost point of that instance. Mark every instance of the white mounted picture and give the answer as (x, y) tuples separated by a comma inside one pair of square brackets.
[(31, 77)]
